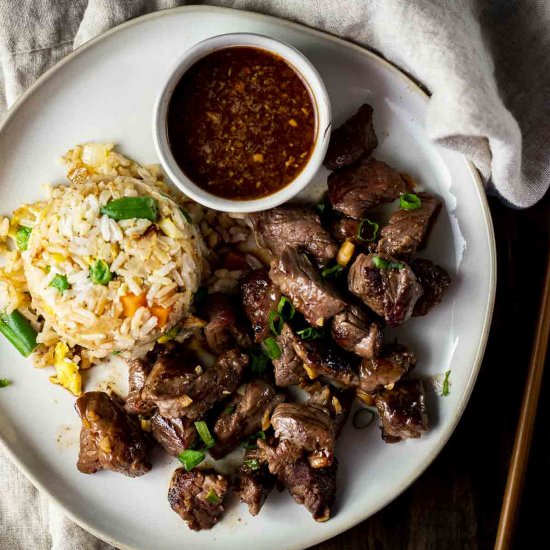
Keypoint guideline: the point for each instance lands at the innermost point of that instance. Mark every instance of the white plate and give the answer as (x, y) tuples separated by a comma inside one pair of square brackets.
[(105, 91)]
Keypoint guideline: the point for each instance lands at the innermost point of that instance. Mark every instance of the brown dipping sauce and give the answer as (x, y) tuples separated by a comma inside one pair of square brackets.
[(241, 123)]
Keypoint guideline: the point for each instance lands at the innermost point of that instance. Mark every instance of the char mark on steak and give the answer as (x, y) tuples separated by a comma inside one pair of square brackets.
[(388, 286), (181, 387), (384, 371), (308, 427), (174, 435), (355, 331), (434, 280), (224, 329), (298, 279), (110, 439), (254, 481), (197, 496), (353, 140), (259, 296), (137, 374), (289, 368), (245, 415), (294, 227), (407, 230), (323, 358), (366, 184), (402, 411)]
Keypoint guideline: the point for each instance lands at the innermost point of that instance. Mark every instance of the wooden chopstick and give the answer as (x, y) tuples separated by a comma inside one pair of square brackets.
[(526, 423)]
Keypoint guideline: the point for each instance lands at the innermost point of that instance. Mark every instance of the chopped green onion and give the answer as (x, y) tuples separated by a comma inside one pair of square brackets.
[(380, 263), (285, 302), (250, 443), (19, 332), (100, 273), (190, 458), (199, 295), (275, 322), (410, 201), (204, 434), (310, 333), (252, 464), (445, 389), (128, 208), (4, 382), (362, 418), (367, 224), (258, 362), (229, 409), (213, 497), (186, 215), (115, 353), (60, 282), (22, 236), (272, 348), (332, 272)]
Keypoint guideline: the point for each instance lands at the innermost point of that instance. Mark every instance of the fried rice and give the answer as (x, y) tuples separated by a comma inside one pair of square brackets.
[(155, 268)]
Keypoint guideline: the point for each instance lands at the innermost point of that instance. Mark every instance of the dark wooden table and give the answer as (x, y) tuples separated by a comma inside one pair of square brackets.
[(455, 504)]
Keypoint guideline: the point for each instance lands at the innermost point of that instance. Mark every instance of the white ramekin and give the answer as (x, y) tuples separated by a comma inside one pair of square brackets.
[(310, 77)]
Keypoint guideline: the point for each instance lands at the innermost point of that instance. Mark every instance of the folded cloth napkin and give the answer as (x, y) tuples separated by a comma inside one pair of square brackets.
[(486, 64)]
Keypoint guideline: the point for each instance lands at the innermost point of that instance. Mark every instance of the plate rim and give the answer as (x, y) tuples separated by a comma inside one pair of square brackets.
[(354, 519)]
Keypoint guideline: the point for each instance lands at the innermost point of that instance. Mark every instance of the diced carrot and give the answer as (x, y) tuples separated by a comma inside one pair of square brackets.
[(234, 261), (131, 303), (161, 313)]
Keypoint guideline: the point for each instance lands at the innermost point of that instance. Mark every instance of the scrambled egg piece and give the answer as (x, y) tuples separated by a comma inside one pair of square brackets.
[(67, 372)]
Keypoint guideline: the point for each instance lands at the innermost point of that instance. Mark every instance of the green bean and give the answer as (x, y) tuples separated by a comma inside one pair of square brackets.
[(127, 208), (19, 332)]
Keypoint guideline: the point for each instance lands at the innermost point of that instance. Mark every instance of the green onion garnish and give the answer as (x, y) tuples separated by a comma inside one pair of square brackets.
[(367, 231), (332, 272), (250, 443), (190, 458), (252, 464), (22, 236), (275, 322), (362, 418), (445, 389), (410, 201), (199, 295), (19, 332), (127, 208), (229, 409), (285, 303), (213, 497), (310, 333), (380, 263), (100, 273), (204, 434), (4, 382), (186, 215), (60, 282), (258, 362), (272, 348)]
